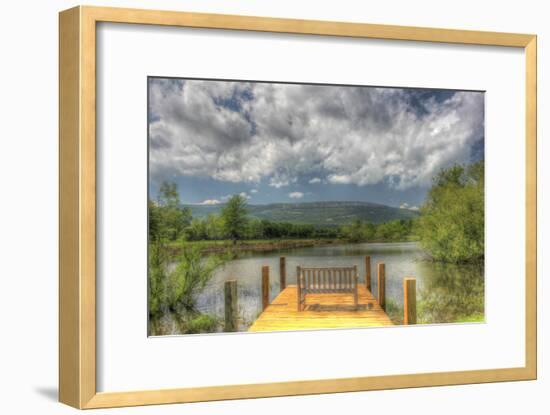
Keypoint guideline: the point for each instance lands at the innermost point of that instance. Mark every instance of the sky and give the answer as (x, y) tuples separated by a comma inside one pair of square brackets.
[(277, 142)]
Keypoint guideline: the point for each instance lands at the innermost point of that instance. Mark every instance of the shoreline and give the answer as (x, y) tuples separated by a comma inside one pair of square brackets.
[(218, 247)]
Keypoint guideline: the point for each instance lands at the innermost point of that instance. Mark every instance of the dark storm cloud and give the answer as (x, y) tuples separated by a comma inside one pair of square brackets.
[(281, 133)]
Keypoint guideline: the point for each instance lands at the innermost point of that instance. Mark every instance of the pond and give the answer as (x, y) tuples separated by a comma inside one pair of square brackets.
[(446, 293)]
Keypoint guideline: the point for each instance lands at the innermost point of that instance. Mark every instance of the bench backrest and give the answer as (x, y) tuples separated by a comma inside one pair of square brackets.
[(327, 280)]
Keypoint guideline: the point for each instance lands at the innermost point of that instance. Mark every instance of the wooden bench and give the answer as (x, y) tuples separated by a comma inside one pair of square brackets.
[(326, 280)]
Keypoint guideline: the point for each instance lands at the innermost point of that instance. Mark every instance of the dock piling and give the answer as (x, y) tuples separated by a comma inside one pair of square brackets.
[(230, 289), (282, 272), (367, 273), (382, 285), (298, 289), (409, 300), (265, 287), (355, 283)]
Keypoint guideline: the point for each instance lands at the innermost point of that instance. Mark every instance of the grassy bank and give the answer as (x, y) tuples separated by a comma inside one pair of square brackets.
[(260, 245)]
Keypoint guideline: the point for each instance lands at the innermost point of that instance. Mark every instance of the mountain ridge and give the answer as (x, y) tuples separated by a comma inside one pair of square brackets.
[(326, 213)]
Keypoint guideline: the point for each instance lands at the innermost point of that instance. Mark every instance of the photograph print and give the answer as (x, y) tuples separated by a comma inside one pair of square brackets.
[(289, 206)]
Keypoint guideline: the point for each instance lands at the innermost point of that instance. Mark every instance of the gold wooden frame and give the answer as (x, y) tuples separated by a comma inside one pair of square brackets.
[(77, 214)]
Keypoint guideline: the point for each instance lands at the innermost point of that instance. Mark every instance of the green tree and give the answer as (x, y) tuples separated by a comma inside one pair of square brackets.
[(172, 218), (155, 222), (354, 231), (369, 231), (234, 216), (451, 225), (168, 195), (214, 227), (255, 229), (196, 231)]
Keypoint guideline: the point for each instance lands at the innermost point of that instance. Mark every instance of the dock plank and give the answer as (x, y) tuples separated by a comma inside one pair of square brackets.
[(327, 310)]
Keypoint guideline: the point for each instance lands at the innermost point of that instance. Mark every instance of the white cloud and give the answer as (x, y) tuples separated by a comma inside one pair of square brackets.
[(279, 132), (225, 198), (409, 207), (254, 191), (315, 180), (339, 179), (278, 183), (295, 195), (210, 202)]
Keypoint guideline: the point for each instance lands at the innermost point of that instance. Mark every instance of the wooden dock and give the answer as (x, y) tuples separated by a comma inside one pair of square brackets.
[(321, 311)]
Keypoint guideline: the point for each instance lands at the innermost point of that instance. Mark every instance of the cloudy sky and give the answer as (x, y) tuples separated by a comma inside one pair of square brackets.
[(277, 142)]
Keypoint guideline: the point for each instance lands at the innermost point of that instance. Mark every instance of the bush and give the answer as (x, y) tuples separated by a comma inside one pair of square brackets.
[(189, 278), (157, 280), (394, 311), (175, 291), (203, 323), (452, 222)]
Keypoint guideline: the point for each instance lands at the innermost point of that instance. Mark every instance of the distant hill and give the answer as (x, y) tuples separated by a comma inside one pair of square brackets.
[(316, 213)]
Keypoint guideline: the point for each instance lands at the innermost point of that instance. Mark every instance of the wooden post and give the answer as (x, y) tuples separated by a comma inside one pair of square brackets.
[(298, 289), (354, 283), (367, 273), (265, 287), (382, 285), (409, 300), (282, 272), (230, 288)]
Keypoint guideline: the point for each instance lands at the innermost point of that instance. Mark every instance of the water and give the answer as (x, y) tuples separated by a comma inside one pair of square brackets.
[(446, 293)]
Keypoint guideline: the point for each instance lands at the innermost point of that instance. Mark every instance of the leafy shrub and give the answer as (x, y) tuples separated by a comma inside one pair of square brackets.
[(452, 222), (203, 323), (192, 273)]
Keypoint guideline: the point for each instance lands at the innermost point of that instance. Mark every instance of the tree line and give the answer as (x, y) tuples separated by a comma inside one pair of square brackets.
[(168, 220), (395, 230), (450, 226)]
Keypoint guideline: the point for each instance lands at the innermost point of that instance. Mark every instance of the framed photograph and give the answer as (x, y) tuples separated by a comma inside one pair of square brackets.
[(255, 207)]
